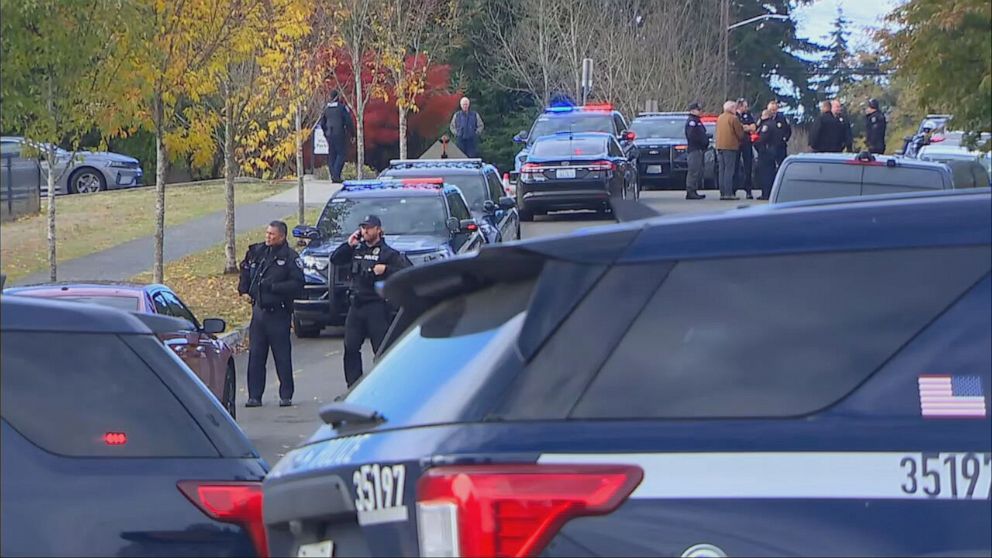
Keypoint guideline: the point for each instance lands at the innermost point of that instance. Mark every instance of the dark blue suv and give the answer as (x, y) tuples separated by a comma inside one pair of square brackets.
[(112, 446), (425, 218), (796, 381)]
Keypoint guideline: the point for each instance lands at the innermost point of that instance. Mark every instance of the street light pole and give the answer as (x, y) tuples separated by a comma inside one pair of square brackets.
[(725, 22)]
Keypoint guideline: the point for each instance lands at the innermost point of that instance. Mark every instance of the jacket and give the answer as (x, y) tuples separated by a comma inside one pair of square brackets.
[(767, 140), (875, 131), (729, 132), (336, 119), (783, 130), (695, 134), (272, 276), (362, 258), (461, 124), (845, 137), (822, 131), (746, 119)]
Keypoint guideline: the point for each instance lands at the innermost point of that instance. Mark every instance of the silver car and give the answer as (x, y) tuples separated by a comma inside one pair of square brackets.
[(85, 173)]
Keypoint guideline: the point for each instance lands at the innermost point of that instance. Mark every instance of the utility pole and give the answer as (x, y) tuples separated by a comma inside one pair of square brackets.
[(586, 79), (725, 24)]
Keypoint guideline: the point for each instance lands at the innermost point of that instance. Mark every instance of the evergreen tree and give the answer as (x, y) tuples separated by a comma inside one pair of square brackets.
[(838, 65)]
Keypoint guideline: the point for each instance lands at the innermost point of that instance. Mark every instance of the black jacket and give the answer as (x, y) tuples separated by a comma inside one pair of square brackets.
[(695, 134), (767, 139), (845, 137), (783, 131), (875, 131), (336, 120), (272, 276), (362, 259), (822, 132), (746, 119)]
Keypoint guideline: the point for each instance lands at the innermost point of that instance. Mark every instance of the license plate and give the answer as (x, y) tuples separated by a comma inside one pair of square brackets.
[(565, 173), (323, 549), (654, 169)]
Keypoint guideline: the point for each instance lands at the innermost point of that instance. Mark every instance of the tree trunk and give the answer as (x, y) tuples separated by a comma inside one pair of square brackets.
[(158, 271), (52, 268), (301, 197), (403, 152), (359, 127), (230, 249)]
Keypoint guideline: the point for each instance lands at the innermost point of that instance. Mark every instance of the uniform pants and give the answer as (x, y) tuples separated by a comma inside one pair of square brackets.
[(337, 148), (728, 160), (469, 146), (269, 330), (766, 172), (745, 168), (781, 152), (694, 177), (369, 320)]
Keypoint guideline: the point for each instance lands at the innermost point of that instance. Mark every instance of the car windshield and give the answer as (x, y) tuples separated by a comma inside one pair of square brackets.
[(547, 125), (659, 127), (566, 147), (399, 215), (128, 303)]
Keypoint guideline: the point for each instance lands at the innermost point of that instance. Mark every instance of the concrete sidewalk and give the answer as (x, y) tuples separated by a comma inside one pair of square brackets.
[(315, 192)]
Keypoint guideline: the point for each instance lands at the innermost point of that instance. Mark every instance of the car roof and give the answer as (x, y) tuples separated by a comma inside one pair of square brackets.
[(851, 158), (562, 136), (23, 313), (952, 150), (88, 286)]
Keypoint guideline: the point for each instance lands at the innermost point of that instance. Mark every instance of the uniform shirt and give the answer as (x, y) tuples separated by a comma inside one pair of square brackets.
[(767, 137), (695, 134), (746, 119), (783, 131), (271, 275), (362, 259), (845, 137), (875, 135)]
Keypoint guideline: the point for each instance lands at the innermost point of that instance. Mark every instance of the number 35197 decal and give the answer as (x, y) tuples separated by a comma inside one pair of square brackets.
[(952, 476), (379, 493)]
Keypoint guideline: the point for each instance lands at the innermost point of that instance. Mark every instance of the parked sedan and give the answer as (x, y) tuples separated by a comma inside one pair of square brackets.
[(87, 172), (210, 358)]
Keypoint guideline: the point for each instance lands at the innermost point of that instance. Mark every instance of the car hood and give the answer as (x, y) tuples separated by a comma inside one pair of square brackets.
[(109, 156)]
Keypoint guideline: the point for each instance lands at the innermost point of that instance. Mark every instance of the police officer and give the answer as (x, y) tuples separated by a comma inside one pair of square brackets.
[(745, 163), (783, 132), (766, 147), (272, 275), (697, 144), (845, 137), (823, 132), (336, 123), (369, 315), (875, 127)]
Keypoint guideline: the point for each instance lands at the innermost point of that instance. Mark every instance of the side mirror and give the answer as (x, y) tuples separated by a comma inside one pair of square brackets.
[(629, 136), (306, 232), (454, 225), (489, 206), (520, 138), (507, 202), (213, 326), (468, 225)]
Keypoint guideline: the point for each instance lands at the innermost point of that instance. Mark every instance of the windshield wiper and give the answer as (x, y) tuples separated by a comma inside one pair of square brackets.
[(350, 413)]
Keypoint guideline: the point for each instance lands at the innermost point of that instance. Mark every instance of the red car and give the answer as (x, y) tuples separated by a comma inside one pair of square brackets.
[(210, 358)]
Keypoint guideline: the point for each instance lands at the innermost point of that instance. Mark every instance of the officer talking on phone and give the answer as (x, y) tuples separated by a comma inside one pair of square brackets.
[(369, 315)]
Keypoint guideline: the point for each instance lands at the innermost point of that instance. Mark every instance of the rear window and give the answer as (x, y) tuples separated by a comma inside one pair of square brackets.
[(473, 186), (67, 400), (774, 336), (565, 147), (673, 127), (807, 180), (574, 122), (127, 303)]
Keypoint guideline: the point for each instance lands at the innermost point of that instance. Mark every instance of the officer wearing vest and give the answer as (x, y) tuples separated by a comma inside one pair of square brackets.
[(875, 127), (745, 162), (272, 275), (369, 315), (467, 126), (783, 132), (766, 148), (337, 124), (697, 143)]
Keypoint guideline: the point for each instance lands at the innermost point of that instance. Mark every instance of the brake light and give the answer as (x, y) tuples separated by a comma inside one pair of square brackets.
[(115, 438), (471, 227), (598, 106), (418, 181), (681, 147), (231, 502), (936, 139), (530, 167), (512, 510), (602, 166)]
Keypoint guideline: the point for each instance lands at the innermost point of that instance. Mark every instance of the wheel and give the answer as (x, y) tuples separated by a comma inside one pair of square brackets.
[(87, 180), (230, 391), (304, 332)]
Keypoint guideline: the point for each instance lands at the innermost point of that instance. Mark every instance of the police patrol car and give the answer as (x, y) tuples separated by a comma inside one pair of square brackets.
[(662, 150), (425, 218), (576, 396)]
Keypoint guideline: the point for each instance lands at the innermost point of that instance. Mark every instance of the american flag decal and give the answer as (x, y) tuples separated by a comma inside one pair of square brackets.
[(946, 396)]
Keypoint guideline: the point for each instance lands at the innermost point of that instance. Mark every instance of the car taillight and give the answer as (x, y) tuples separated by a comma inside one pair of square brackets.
[(512, 510), (601, 166), (231, 502), (530, 167)]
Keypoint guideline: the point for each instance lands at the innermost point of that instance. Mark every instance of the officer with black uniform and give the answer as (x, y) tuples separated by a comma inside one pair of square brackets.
[(697, 143), (272, 275), (369, 315), (765, 146), (783, 132), (875, 127), (745, 162), (336, 123)]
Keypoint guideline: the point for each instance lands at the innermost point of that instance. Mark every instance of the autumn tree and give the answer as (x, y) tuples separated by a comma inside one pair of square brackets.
[(59, 80)]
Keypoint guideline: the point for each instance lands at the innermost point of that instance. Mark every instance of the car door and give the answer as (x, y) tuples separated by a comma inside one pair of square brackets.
[(504, 220), (463, 241), (186, 344), (624, 174), (23, 171)]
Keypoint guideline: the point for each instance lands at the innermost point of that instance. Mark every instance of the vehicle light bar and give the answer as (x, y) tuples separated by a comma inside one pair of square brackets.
[(431, 183), (436, 162)]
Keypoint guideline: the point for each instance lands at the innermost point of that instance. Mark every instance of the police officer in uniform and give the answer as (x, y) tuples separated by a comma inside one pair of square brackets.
[(369, 315), (697, 144), (745, 162), (875, 126), (845, 137), (336, 123), (272, 275), (783, 132), (766, 147)]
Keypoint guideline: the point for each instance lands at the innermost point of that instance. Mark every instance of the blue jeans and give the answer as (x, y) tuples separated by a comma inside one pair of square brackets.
[(727, 159)]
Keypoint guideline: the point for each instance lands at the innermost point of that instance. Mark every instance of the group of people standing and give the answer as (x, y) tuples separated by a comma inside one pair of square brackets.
[(831, 131)]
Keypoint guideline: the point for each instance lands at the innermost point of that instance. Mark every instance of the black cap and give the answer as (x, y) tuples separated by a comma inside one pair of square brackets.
[(371, 221), (873, 103), (695, 106)]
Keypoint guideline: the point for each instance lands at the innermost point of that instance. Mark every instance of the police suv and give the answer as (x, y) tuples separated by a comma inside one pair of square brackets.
[(662, 158), (577, 396), (425, 218)]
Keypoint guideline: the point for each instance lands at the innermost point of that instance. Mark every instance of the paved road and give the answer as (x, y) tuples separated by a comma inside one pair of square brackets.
[(319, 374)]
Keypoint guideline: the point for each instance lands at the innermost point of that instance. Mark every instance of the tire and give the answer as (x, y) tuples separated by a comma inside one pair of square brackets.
[(304, 332), (87, 180), (230, 391)]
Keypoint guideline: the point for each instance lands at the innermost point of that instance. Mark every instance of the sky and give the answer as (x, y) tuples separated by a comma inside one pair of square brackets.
[(815, 21)]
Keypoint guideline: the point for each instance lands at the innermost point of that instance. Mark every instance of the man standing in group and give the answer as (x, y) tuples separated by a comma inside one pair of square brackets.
[(874, 127), (844, 135), (466, 126), (272, 275), (729, 135), (783, 132), (697, 144), (823, 130), (337, 124), (369, 315), (745, 163), (766, 152)]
